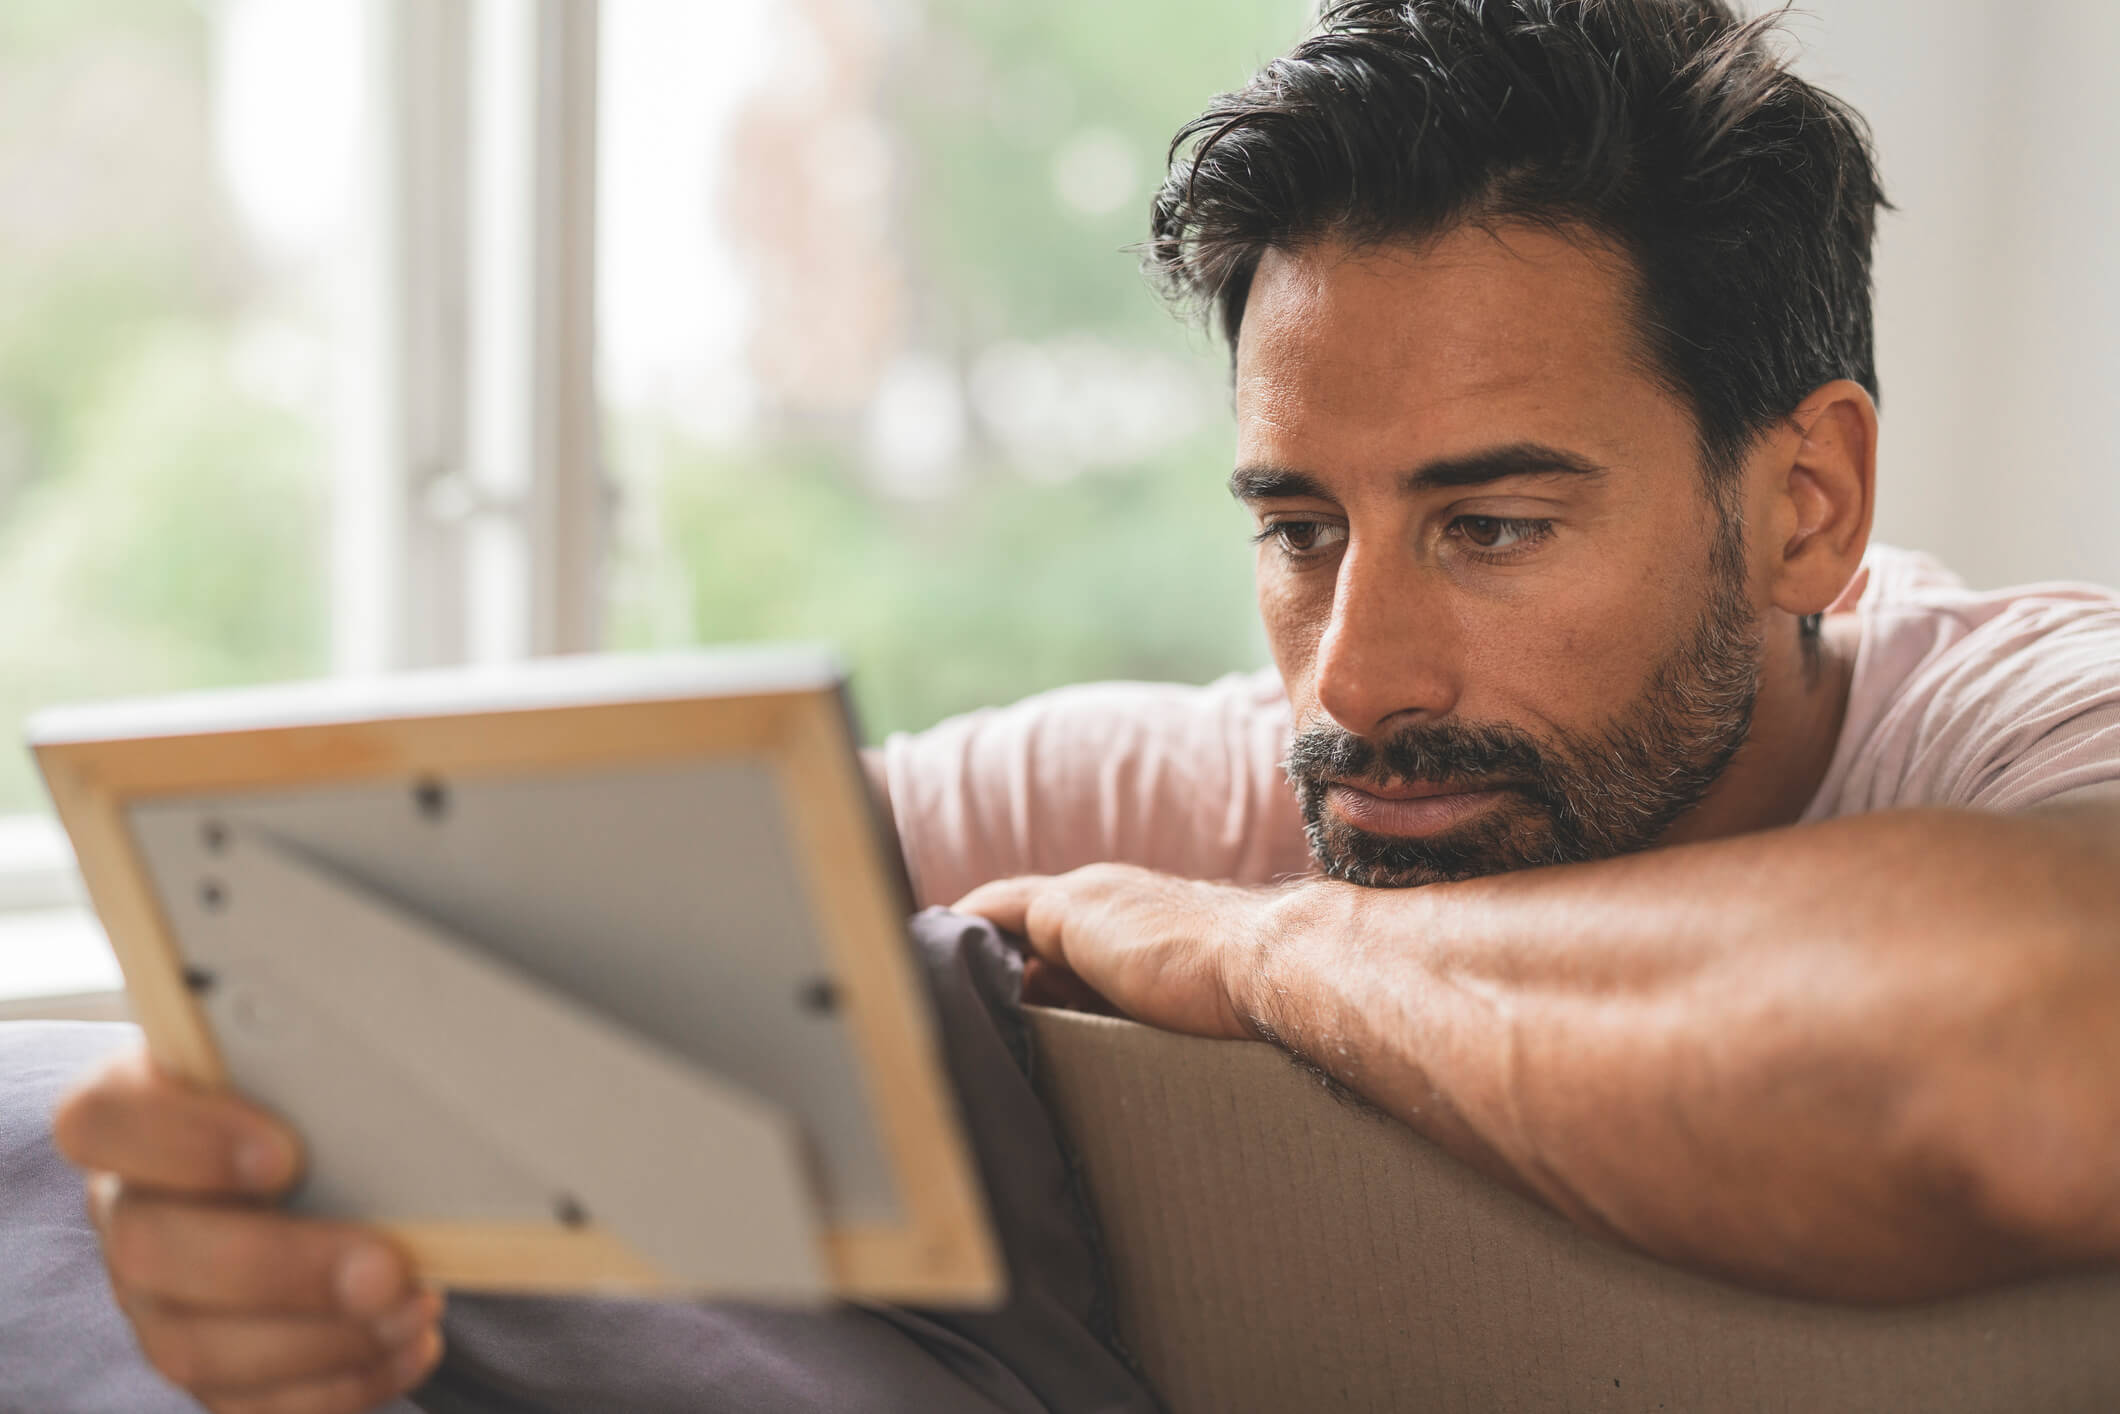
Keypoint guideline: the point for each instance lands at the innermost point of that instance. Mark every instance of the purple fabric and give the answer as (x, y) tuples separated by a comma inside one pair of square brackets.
[(63, 1345), (1050, 1350)]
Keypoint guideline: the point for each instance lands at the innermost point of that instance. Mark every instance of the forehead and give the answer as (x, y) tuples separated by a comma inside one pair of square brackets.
[(1473, 338)]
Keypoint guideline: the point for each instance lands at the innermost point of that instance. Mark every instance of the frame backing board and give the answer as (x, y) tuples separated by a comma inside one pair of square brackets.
[(663, 864)]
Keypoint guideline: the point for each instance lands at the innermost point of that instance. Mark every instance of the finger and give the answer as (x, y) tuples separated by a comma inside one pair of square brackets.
[(354, 1392), (1005, 903), (132, 1120), (1050, 984), (207, 1353), (241, 1260)]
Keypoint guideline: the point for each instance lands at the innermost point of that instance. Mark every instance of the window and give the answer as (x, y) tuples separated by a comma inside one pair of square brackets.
[(299, 312), (351, 335), (878, 367), (174, 187)]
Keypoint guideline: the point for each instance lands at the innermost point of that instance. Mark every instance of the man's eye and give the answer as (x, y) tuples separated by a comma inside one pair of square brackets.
[(1300, 537), (1500, 532)]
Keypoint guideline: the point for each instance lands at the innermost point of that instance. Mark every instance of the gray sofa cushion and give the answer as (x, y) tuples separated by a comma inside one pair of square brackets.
[(64, 1347), (63, 1344)]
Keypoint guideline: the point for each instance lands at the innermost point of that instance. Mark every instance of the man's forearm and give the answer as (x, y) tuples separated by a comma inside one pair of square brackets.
[(1868, 1060)]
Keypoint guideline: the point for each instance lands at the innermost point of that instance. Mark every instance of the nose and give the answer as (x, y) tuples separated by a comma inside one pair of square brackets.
[(1390, 651)]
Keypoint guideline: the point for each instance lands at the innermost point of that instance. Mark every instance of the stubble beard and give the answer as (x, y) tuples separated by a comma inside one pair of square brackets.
[(1572, 798)]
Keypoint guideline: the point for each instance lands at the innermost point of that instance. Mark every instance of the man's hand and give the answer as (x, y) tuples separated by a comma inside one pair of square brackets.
[(247, 1308), (1170, 952), (1867, 1060)]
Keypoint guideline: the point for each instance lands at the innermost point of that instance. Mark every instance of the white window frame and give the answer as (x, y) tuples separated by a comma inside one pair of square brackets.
[(471, 506), (474, 513)]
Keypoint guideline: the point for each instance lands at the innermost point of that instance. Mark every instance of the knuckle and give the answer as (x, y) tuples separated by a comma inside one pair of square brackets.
[(84, 1119), (1100, 879), (132, 1241), (1046, 918), (359, 1390), (172, 1348), (303, 1399), (99, 1195), (139, 1309), (246, 1243), (250, 1260), (165, 1247)]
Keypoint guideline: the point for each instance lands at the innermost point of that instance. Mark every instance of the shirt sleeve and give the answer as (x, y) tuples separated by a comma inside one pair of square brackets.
[(2022, 708), (1186, 780)]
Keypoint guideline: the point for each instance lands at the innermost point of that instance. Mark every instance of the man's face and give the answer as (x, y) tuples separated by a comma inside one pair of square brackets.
[(1513, 628)]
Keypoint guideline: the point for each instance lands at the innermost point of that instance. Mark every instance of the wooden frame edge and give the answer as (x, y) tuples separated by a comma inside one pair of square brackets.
[(93, 814), (949, 1251), (944, 1253)]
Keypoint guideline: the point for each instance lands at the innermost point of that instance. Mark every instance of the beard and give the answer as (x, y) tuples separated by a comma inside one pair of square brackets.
[(1571, 798)]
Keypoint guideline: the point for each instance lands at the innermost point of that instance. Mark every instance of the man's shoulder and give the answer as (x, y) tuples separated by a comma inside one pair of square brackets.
[(1992, 698), (1185, 779), (1258, 691), (1925, 634), (1901, 584)]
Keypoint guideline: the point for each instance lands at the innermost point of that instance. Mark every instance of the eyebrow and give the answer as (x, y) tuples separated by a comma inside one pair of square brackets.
[(1267, 483)]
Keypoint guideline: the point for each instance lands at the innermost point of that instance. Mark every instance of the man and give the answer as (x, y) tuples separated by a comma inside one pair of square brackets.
[(1745, 896)]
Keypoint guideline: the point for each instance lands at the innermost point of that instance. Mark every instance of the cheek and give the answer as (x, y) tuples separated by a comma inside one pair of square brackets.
[(1579, 656), (1294, 610)]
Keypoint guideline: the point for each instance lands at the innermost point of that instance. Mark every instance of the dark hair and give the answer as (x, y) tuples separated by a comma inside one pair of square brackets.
[(1670, 130)]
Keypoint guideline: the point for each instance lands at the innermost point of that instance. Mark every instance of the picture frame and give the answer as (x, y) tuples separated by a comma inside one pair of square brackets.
[(195, 818)]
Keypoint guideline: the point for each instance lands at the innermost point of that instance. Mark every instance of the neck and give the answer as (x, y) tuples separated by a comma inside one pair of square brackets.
[(1795, 726)]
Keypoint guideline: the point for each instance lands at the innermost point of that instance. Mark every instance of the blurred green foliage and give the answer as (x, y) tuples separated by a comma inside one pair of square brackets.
[(992, 92), (1015, 584), (161, 526), (180, 546), (1002, 591)]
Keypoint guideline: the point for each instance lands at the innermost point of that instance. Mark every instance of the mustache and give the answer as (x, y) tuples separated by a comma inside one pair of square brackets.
[(1434, 751)]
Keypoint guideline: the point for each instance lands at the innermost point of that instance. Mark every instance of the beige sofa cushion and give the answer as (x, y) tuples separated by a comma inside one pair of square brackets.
[(1275, 1249)]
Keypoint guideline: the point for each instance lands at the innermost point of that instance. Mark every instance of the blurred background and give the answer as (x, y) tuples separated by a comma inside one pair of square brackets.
[(343, 335)]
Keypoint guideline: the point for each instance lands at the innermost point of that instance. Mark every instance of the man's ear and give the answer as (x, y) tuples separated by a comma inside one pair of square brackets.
[(1825, 499)]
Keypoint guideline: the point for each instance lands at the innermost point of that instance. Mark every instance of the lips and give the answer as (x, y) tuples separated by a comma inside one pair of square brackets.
[(1416, 790), (1412, 809)]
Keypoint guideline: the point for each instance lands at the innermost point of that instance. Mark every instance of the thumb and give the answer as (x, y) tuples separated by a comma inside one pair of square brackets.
[(1006, 903)]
